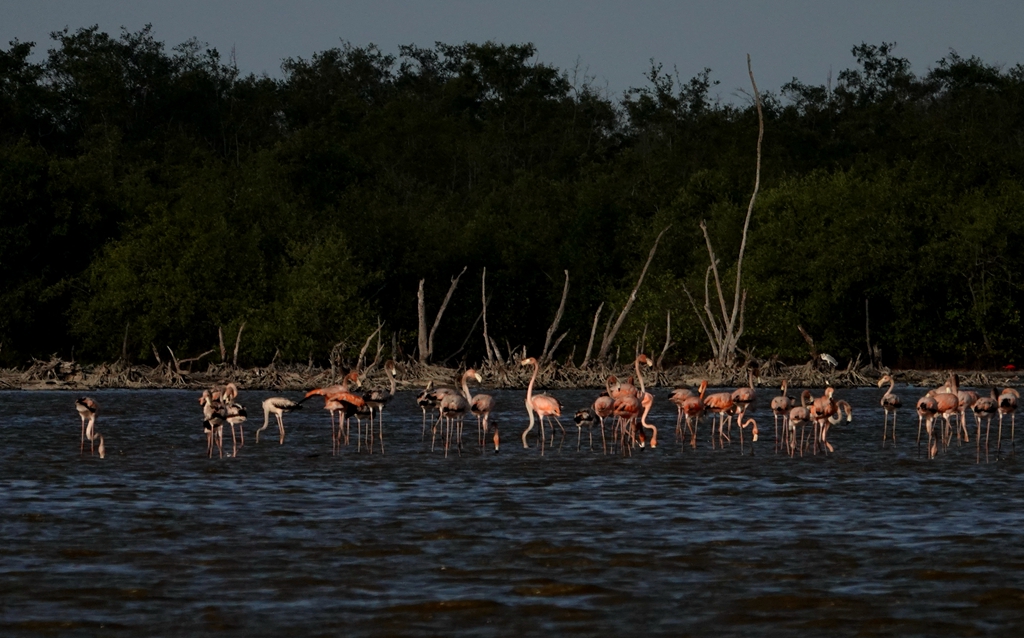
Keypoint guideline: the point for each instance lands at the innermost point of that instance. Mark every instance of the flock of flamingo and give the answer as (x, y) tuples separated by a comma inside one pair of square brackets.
[(627, 405)]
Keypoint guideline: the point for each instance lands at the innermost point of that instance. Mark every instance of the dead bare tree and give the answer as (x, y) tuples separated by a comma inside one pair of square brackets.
[(609, 337), (426, 341), (484, 301), (593, 331), (668, 339), (546, 353), (238, 342), (724, 331)]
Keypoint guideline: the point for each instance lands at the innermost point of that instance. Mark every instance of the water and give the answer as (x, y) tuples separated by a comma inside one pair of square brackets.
[(159, 540)]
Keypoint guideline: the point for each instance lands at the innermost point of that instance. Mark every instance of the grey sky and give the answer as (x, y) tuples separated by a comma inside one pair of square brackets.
[(612, 40)]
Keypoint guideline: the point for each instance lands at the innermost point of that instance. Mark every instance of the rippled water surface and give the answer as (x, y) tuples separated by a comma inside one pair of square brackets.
[(159, 540)]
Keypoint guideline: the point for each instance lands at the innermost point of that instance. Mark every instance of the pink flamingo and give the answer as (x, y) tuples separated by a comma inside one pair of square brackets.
[(87, 410), (781, 405), (890, 403), (543, 405)]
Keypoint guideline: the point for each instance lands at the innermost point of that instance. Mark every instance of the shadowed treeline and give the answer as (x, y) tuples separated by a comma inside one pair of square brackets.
[(152, 196)]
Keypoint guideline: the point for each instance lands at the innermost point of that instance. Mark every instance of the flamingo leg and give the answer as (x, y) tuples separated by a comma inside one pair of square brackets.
[(280, 427)]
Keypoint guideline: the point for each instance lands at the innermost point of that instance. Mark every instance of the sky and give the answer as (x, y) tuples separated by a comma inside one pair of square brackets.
[(613, 42)]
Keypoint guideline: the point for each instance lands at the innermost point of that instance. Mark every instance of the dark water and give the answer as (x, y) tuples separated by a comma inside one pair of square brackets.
[(159, 540)]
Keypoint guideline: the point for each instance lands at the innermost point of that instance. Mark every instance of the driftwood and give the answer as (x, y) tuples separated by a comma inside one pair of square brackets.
[(56, 373)]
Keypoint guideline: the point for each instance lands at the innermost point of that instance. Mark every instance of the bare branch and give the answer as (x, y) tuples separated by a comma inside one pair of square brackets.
[(156, 354), (668, 338), (606, 344), (421, 312), (696, 311), (558, 317), (753, 197), (551, 355), (238, 342), (593, 331), (714, 269), (440, 312), (483, 300), (220, 340), (366, 346)]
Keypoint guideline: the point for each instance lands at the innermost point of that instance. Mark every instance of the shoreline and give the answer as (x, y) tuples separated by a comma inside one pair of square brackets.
[(57, 374)]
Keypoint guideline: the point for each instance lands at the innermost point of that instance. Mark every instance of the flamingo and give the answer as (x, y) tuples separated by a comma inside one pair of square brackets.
[(453, 407), (678, 397), (543, 405), (604, 404), (585, 417), (720, 403), (277, 406), (987, 407), (948, 404), (481, 406), (647, 402), (87, 410), (822, 409), (496, 438), (693, 408), (236, 415), (214, 416), (743, 397), (376, 400), (799, 415), (927, 409), (890, 403), (743, 425), (1007, 405), (646, 399), (781, 405)]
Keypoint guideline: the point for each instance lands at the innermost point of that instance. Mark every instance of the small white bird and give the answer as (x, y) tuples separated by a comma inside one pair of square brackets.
[(829, 359)]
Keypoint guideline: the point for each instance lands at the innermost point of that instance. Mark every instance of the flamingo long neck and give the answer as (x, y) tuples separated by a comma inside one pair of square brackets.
[(640, 377), (465, 388), (892, 384), (529, 400), (785, 386)]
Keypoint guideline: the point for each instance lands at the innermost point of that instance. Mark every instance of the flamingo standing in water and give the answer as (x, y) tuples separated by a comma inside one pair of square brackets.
[(376, 400), (604, 405), (927, 409), (890, 403), (480, 405), (986, 407), (1007, 405), (87, 410), (277, 406), (720, 403), (693, 408), (543, 405), (799, 415), (214, 416), (646, 400), (781, 405), (453, 409), (678, 397), (743, 397), (822, 409)]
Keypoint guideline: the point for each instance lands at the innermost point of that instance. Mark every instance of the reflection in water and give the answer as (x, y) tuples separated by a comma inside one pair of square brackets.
[(158, 539)]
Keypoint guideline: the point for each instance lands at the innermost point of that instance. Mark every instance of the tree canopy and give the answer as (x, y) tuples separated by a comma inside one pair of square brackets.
[(161, 194)]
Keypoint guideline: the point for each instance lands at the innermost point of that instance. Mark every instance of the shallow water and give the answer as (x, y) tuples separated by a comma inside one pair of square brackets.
[(159, 540)]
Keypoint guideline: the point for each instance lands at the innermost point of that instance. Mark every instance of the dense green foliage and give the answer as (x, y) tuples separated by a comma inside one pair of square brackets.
[(164, 192)]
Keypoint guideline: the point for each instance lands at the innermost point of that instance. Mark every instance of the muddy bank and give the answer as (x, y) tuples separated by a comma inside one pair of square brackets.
[(70, 375)]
